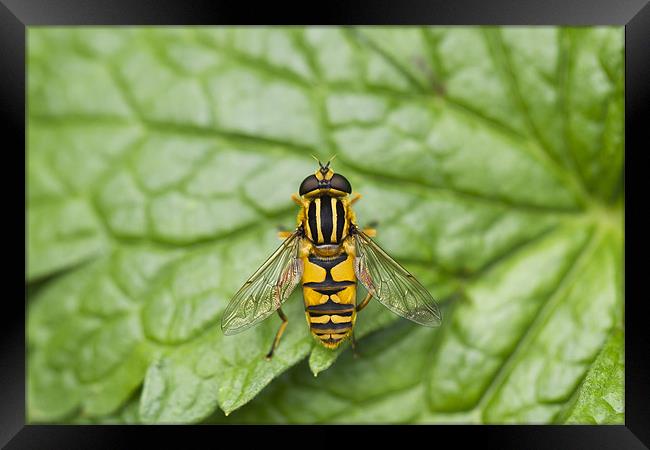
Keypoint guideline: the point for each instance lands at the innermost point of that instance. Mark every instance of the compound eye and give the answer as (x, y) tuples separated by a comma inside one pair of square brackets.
[(340, 183), (308, 184)]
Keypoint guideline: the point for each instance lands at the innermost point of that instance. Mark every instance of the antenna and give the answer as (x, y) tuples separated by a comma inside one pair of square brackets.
[(318, 160), (330, 160)]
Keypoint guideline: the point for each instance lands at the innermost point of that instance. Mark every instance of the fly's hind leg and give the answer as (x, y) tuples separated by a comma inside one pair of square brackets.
[(365, 302), (353, 344), (353, 341), (278, 335)]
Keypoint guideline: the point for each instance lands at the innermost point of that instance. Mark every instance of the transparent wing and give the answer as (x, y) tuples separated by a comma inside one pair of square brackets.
[(266, 289), (392, 284)]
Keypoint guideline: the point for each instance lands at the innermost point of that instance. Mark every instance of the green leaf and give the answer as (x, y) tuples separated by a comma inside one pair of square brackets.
[(160, 165), (601, 397)]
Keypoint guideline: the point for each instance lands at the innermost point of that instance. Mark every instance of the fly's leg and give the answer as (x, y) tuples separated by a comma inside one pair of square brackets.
[(353, 341), (353, 344), (278, 335), (284, 234), (365, 302), (371, 229), (355, 199), (296, 199)]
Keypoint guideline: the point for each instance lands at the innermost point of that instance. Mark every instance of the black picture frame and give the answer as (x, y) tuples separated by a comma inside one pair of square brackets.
[(17, 15)]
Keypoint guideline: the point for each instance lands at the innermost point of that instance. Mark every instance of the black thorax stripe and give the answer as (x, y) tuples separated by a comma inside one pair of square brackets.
[(340, 220), (326, 220), (311, 222)]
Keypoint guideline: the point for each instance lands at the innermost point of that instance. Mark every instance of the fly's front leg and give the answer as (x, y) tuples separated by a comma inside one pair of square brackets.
[(278, 335), (355, 199), (285, 234)]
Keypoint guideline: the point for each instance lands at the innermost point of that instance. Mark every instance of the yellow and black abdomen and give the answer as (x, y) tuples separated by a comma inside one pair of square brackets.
[(329, 291)]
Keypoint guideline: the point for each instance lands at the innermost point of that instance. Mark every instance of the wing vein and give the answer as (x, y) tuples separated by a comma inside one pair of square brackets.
[(265, 291), (394, 286)]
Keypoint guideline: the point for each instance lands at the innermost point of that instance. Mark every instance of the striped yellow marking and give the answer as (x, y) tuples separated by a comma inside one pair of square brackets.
[(324, 337), (318, 224), (346, 296), (323, 299), (343, 271), (313, 272), (335, 298), (337, 336), (341, 319), (333, 235), (319, 319)]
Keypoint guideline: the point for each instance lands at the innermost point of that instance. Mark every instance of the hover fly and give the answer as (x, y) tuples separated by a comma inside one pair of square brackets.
[(327, 254)]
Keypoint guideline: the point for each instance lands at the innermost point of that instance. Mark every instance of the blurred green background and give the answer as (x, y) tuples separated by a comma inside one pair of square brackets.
[(160, 165)]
